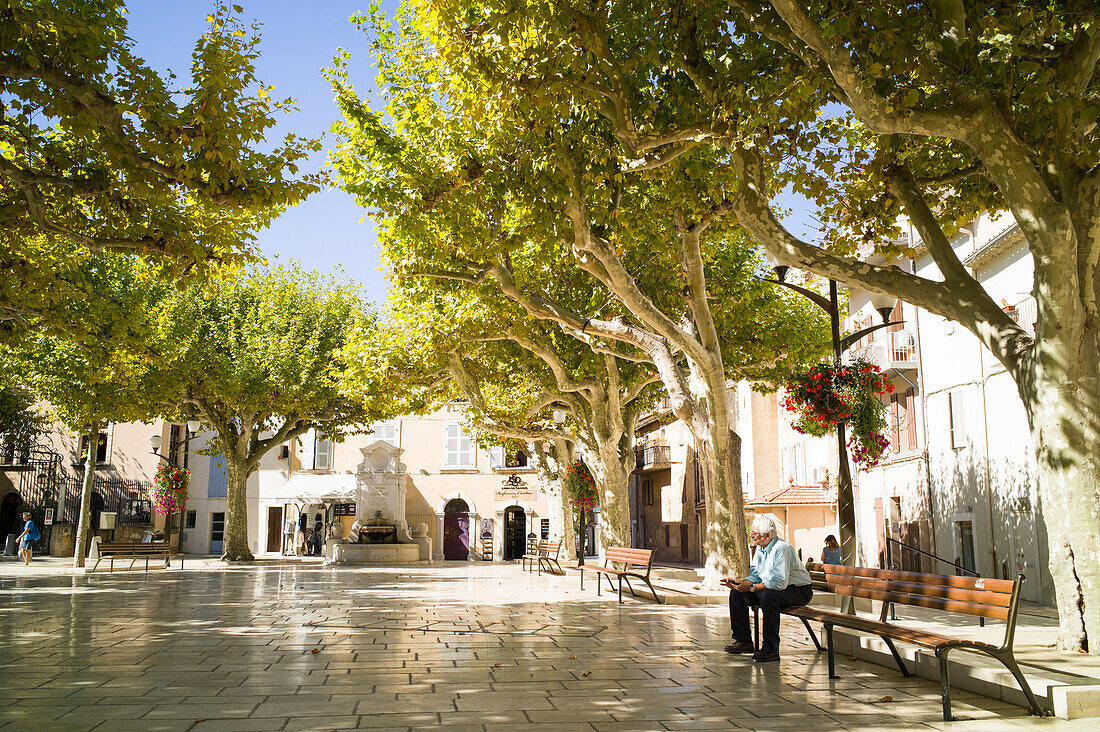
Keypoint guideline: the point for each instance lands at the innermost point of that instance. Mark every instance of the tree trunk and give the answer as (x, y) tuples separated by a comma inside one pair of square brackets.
[(84, 517), (611, 478), (725, 544), (1064, 411), (568, 529), (236, 513)]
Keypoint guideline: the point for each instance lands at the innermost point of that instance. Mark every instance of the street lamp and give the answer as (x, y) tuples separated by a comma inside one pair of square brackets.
[(884, 304)]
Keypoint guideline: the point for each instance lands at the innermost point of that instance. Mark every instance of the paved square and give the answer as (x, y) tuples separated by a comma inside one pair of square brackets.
[(474, 646)]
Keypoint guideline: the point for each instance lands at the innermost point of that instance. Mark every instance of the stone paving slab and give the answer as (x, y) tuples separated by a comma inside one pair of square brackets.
[(455, 645)]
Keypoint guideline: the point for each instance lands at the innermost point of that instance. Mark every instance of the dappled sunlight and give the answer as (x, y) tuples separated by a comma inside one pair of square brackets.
[(457, 643)]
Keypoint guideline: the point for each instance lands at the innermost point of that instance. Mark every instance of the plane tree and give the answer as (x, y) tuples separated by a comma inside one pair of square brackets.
[(259, 358), (100, 153), (511, 195), (932, 111)]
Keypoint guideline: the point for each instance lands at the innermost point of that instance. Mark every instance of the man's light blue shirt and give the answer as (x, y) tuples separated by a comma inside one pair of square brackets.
[(777, 566)]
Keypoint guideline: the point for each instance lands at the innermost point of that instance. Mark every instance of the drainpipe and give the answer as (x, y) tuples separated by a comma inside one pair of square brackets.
[(926, 454), (986, 476)]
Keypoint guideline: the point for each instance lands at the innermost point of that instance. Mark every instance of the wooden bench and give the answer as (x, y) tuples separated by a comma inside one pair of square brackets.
[(984, 598), (122, 550), (531, 557), (549, 558), (635, 563)]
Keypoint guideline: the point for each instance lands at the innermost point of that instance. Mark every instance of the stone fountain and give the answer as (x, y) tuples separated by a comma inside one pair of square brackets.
[(380, 534)]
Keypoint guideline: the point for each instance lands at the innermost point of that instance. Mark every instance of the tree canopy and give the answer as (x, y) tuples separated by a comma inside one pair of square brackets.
[(98, 152)]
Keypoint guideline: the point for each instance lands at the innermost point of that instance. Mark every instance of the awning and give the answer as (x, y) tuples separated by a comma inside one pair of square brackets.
[(317, 488)]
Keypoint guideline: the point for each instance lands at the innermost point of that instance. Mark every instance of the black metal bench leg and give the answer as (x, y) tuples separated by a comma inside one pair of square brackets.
[(1036, 708), (945, 685), (813, 635), (621, 589), (623, 577), (897, 656), (756, 627), (832, 660), (655, 595)]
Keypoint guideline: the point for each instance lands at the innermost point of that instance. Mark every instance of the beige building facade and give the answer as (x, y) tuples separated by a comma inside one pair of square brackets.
[(477, 502)]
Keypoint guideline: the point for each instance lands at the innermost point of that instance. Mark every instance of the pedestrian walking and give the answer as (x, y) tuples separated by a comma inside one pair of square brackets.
[(29, 536)]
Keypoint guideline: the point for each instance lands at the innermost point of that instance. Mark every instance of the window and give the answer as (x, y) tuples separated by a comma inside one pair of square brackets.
[(793, 460), (647, 492), (101, 449), (965, 531), (457, 447), (174, 440), (667, 536), (189, 521), (385, 431), (956, 415), (322, 452)]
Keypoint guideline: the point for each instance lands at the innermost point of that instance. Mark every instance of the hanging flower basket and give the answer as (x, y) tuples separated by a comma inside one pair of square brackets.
[(170, 489), (580, 487), (830, 394)]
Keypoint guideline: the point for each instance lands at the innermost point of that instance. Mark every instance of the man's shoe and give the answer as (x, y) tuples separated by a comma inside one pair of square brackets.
[(740, 647), (765, 656)]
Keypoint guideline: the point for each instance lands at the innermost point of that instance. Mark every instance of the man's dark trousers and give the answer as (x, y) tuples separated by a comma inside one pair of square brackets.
[(770, 602)]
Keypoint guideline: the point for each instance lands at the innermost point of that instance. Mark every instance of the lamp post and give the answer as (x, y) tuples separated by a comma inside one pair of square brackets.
[(155, 441), (884, 304)]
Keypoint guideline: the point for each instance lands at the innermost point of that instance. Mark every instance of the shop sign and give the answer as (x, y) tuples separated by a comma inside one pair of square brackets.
[(513, 489)]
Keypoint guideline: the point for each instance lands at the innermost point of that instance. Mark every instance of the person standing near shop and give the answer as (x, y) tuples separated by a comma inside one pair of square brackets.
[(29, 536)]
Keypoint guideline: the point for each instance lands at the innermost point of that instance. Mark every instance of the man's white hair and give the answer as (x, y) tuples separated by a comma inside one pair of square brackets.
[(763, 522)]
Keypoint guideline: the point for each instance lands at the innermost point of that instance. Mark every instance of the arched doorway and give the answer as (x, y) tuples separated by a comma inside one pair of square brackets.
[(456, 530), (10, 519), (515, 532)]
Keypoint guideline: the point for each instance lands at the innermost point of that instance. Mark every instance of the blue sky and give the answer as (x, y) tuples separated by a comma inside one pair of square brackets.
[(299, 38)]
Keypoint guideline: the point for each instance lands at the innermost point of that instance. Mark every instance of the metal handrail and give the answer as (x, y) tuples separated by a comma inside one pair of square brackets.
[(958, 567)]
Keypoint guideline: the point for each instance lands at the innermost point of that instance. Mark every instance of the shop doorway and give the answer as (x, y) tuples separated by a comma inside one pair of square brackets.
[(11, 522), (274, 528), (515, 533), (456, 530)]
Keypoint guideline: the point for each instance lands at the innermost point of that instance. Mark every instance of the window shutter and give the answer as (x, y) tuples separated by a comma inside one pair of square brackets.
[(911, 417), (217, 485), (895, 424), (496, 457), (308, 441)]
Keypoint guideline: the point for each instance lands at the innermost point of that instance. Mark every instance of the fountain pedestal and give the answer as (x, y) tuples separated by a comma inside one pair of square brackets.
[(380, 515)]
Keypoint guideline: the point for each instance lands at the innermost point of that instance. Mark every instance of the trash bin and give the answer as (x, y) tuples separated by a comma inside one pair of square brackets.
[(10, 545)]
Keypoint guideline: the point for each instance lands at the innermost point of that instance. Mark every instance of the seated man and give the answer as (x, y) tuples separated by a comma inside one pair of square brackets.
[(776, 580)]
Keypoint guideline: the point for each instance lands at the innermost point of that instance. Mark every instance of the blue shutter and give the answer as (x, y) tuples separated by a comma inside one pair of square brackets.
[(218, 486)]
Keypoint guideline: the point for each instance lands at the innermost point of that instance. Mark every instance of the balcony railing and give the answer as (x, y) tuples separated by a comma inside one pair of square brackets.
[(1025, 315), (896, 350), (652, 457)]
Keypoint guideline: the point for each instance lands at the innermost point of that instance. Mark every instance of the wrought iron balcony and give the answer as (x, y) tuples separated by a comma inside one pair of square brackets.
[(652, 457)]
